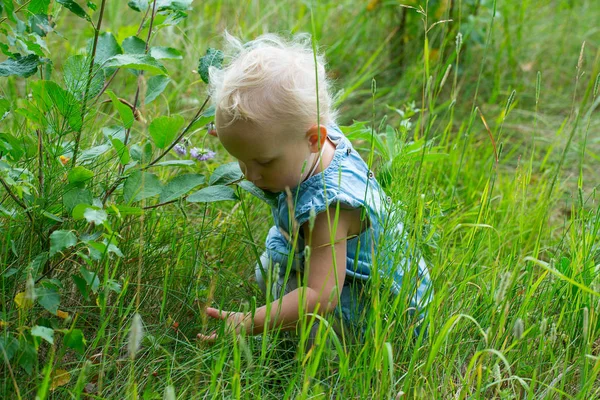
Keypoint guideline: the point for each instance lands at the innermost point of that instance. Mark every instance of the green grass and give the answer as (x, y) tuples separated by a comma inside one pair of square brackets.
[(513, 245)]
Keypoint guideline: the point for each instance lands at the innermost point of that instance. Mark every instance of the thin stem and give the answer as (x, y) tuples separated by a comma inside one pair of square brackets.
[(89, 82), (16, 199), (187, 128)]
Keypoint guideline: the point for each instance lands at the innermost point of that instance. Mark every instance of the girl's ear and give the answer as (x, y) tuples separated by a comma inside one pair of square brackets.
[(316, 136)]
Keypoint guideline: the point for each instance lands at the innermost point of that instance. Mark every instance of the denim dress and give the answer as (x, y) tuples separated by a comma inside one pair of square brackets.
[(379, 253)]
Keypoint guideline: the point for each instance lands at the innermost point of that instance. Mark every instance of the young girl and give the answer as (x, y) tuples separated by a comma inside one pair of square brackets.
[(274, 114)]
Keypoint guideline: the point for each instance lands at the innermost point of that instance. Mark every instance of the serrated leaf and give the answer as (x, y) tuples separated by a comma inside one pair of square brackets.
[(180, 185), (106, 47), (161, 53), (75, 340), (96, 216), (164, 129), (133, 45), (213, 58), (45, 333), (156, 85), (125, 112), (48, 298), (38, 6), (138, 5), (226, 174), (79, 175), (74, 196), (141, 185), (142, 62), (24, 66), (212, 193), (40, 24), (74, 8), (60, 240)]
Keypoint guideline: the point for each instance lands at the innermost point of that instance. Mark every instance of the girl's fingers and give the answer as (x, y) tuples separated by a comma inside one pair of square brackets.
[(214, 313), (208, 338)]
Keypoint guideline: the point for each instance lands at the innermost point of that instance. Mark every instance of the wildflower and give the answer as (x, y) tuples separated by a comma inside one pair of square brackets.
[(201, 154), (180, 149), (64, 160)]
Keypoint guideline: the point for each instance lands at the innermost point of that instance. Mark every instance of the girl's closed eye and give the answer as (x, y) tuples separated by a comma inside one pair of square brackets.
[(265, 163)]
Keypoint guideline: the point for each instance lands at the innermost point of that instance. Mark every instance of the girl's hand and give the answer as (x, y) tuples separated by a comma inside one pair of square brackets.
[(235, 321)]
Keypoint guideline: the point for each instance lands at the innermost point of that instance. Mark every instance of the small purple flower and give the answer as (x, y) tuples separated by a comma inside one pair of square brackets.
[(180, 149), (202, 154)]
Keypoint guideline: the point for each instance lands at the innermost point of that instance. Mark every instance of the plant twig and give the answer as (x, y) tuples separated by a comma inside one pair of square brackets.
[(89, 82), (16, 199)]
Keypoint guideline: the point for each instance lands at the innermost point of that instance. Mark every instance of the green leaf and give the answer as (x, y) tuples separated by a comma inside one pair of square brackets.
[(60, 240), (251, 188), (164, 129), (133, 45), (201, 122), (161, 53), (213, 58), (28, 356), (24, 66), (76, 72), (81, 285), (79, 210), (180, 185), (226, 174), (74, 8), (11, 145), (94, 152), (212, 194), (122, 150), (138, 5), (80, 175), (156, 85), (106, 48), (8, 346), (45, 333), (97, 216), (40, 24), (91, 278), (75, 340), (142, 62), (141, 185), (175, 163), (74, 195), (4, 108), (173, 5), (48, 298), (124, 110), (38, 6)]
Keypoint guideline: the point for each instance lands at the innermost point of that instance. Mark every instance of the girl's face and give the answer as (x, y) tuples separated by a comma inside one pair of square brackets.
[(270, 158)]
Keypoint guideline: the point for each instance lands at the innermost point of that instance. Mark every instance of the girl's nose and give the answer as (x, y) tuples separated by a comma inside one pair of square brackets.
[(249, 173)]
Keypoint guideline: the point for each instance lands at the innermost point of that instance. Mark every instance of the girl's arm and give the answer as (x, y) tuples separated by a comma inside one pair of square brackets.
[(324, 273), (324, 276)]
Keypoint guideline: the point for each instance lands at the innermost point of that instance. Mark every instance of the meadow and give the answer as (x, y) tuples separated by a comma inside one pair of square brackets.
[(479, 116)]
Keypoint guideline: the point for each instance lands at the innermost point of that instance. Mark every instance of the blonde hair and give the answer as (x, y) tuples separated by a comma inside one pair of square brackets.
[(272, 80)]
